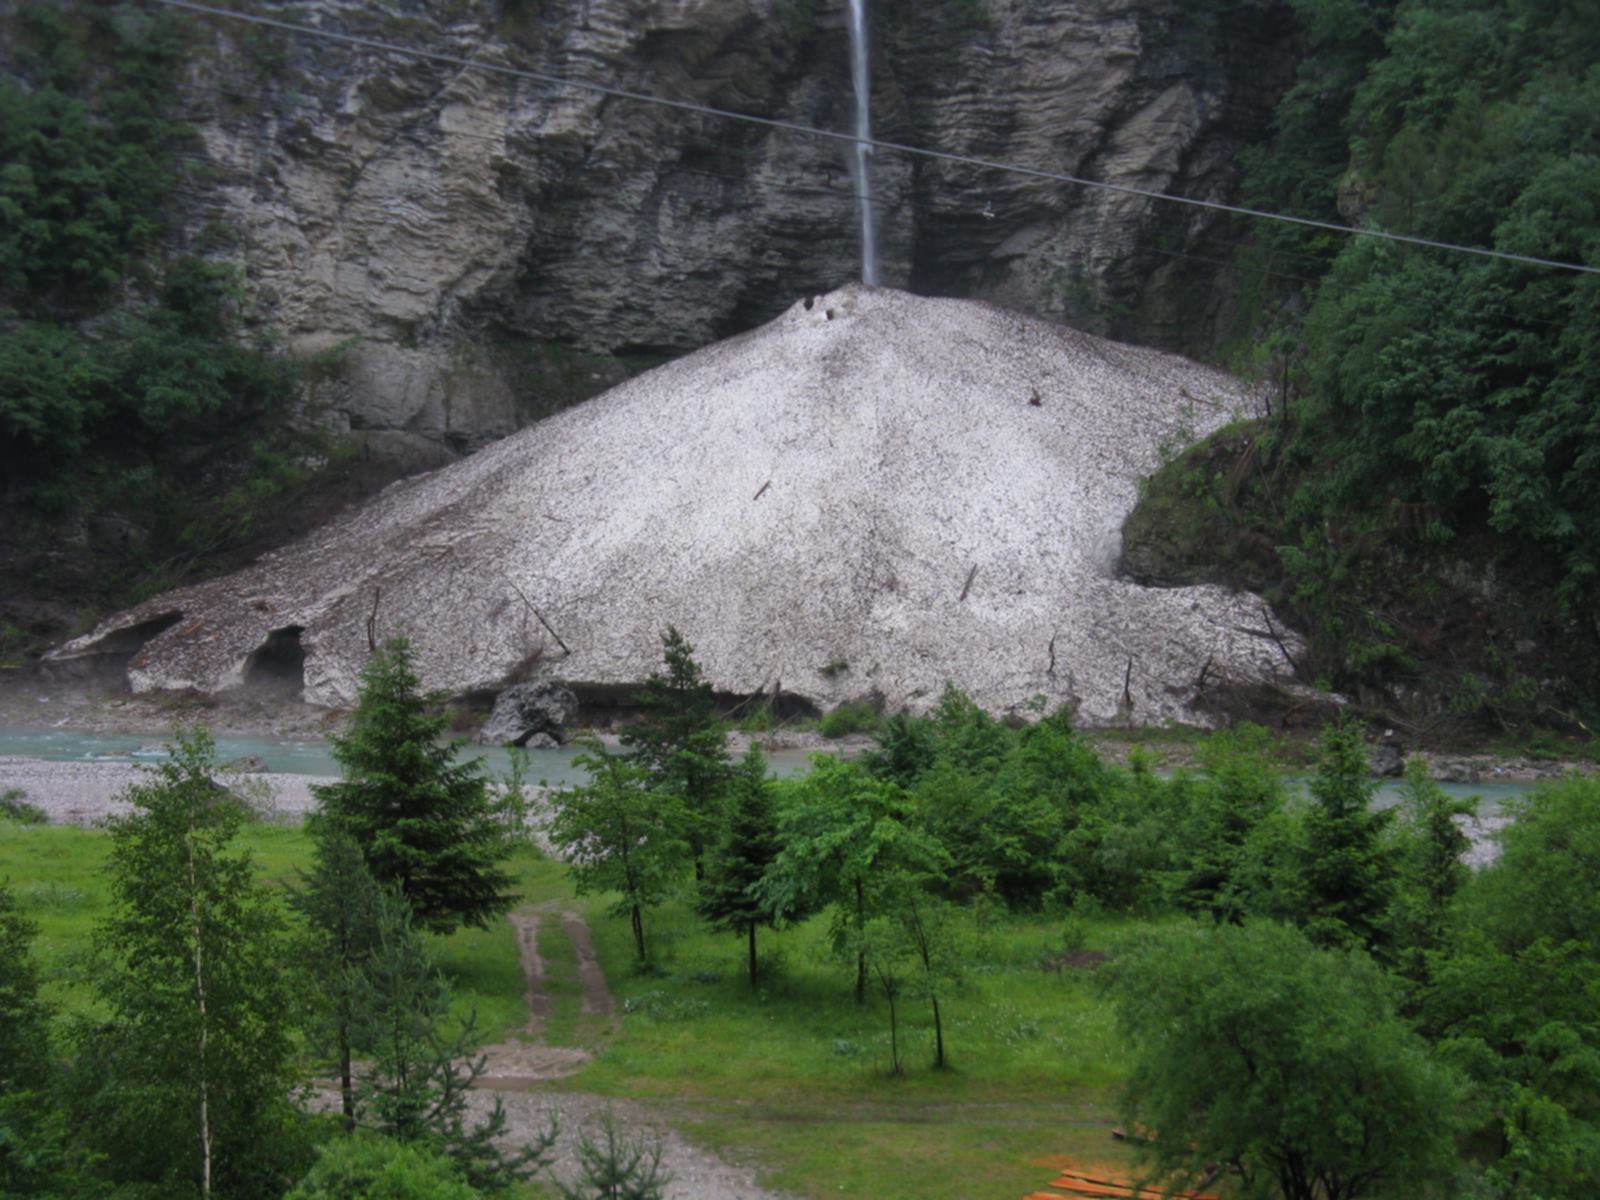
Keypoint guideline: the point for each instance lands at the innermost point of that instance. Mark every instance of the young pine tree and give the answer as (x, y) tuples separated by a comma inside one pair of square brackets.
[(414, 1088), (1348, 875), (424, 822), (729, 899), (681, 746), (341, 903)]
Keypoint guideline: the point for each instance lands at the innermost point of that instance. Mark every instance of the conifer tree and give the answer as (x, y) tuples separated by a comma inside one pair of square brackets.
[(729, 899), (341, 902), (681, 746), (1348, 873), (424, 822), (419, 1070), (23, 1051)]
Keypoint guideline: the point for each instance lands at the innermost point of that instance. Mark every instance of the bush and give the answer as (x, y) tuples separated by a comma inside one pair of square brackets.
[(374, 1168), (860, 717), (14, 806)]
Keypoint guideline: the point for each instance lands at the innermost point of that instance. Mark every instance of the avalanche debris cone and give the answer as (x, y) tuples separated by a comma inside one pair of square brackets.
[(874, 493)]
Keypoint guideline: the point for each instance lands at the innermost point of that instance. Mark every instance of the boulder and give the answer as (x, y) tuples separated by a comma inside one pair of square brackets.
[(530, 714), (1387, 761)]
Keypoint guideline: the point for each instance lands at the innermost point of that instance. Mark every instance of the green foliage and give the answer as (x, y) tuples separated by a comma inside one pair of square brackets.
[(615, 1166), (379, 1168), (14, 806), (26, 1149), (1255, 1050), (1444, 406), (341, 904), (196, 982), (119, 368), (849, 842), (681, 746), (414, 1086), (1512, 997), (1430, 872), (1239, 791), (858, 717), (425, 823), (22, 1017), (1348, 875), (729, 898), (619, 836)]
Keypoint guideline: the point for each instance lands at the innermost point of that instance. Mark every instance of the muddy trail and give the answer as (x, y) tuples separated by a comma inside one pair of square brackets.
[(518, 1071)]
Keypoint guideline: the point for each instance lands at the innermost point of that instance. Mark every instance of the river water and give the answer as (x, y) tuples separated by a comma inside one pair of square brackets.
[(552, 767), (300, 757)]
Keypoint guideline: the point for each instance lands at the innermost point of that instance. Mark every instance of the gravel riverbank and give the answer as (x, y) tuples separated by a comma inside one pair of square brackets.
[(87, 793)]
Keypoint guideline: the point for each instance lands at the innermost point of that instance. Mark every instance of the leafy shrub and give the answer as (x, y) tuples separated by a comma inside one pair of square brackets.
[(860, 717), (366, 1167), (14, 806)]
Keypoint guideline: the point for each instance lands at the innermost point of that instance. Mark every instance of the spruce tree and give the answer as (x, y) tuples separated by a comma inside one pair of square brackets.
[(1348, 873), (424, 822), (681, 746), (729, 900), (341, 903), (420, 1064)]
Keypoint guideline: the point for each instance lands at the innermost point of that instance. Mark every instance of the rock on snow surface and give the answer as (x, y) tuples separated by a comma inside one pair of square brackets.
[(903, 490)]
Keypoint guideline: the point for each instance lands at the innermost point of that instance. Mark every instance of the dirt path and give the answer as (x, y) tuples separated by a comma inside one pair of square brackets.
[(516, 1069), (521, 1063)]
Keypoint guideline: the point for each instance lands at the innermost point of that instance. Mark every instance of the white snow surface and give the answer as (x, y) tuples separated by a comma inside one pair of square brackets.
[(818, 493)]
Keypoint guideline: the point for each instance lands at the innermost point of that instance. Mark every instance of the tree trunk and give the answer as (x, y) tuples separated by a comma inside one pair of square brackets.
[(938, 1037), (861, 955), (752, 954), (638, 932), (894, 1034), (198, 927), (347, 1087)]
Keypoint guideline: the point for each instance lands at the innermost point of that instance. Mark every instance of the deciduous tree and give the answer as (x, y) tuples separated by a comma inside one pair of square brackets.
[(618, 835), (681, 746), (199, 1043), (1255, 1049)]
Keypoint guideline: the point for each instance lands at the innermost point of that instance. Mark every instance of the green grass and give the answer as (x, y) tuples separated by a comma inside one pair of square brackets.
[(790, 1077), (794, 1077), (58, 874)]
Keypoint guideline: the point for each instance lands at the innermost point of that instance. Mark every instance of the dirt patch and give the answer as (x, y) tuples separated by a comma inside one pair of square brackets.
[(520, 1063), (597, 998)]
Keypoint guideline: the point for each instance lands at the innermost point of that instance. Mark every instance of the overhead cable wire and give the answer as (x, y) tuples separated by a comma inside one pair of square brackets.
[(622, 93)]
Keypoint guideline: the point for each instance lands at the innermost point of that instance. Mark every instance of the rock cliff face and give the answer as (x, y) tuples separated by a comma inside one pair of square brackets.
[(461, 251), (870, 495)]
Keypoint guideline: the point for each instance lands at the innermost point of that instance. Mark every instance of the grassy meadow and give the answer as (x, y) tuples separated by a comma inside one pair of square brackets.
[(791, 1077)]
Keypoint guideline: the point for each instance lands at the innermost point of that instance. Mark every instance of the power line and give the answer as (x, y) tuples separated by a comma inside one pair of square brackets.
[(893, 147)]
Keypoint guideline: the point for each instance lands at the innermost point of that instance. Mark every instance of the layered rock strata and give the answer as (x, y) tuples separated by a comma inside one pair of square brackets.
[(458, 251)]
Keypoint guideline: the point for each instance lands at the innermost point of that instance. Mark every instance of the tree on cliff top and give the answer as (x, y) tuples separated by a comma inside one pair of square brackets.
[(424, 822)]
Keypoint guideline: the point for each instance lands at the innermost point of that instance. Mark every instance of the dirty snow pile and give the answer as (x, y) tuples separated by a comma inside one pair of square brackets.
[(875, 493)]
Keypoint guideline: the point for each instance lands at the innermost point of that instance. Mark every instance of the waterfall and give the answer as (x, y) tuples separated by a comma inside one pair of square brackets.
[(859, 173)]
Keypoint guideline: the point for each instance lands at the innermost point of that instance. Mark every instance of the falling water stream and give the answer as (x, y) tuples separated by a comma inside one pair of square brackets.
[(859, 151)]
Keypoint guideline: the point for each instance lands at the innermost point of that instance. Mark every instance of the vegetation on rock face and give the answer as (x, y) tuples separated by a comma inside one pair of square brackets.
[(131, 402), (1425, 479)]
